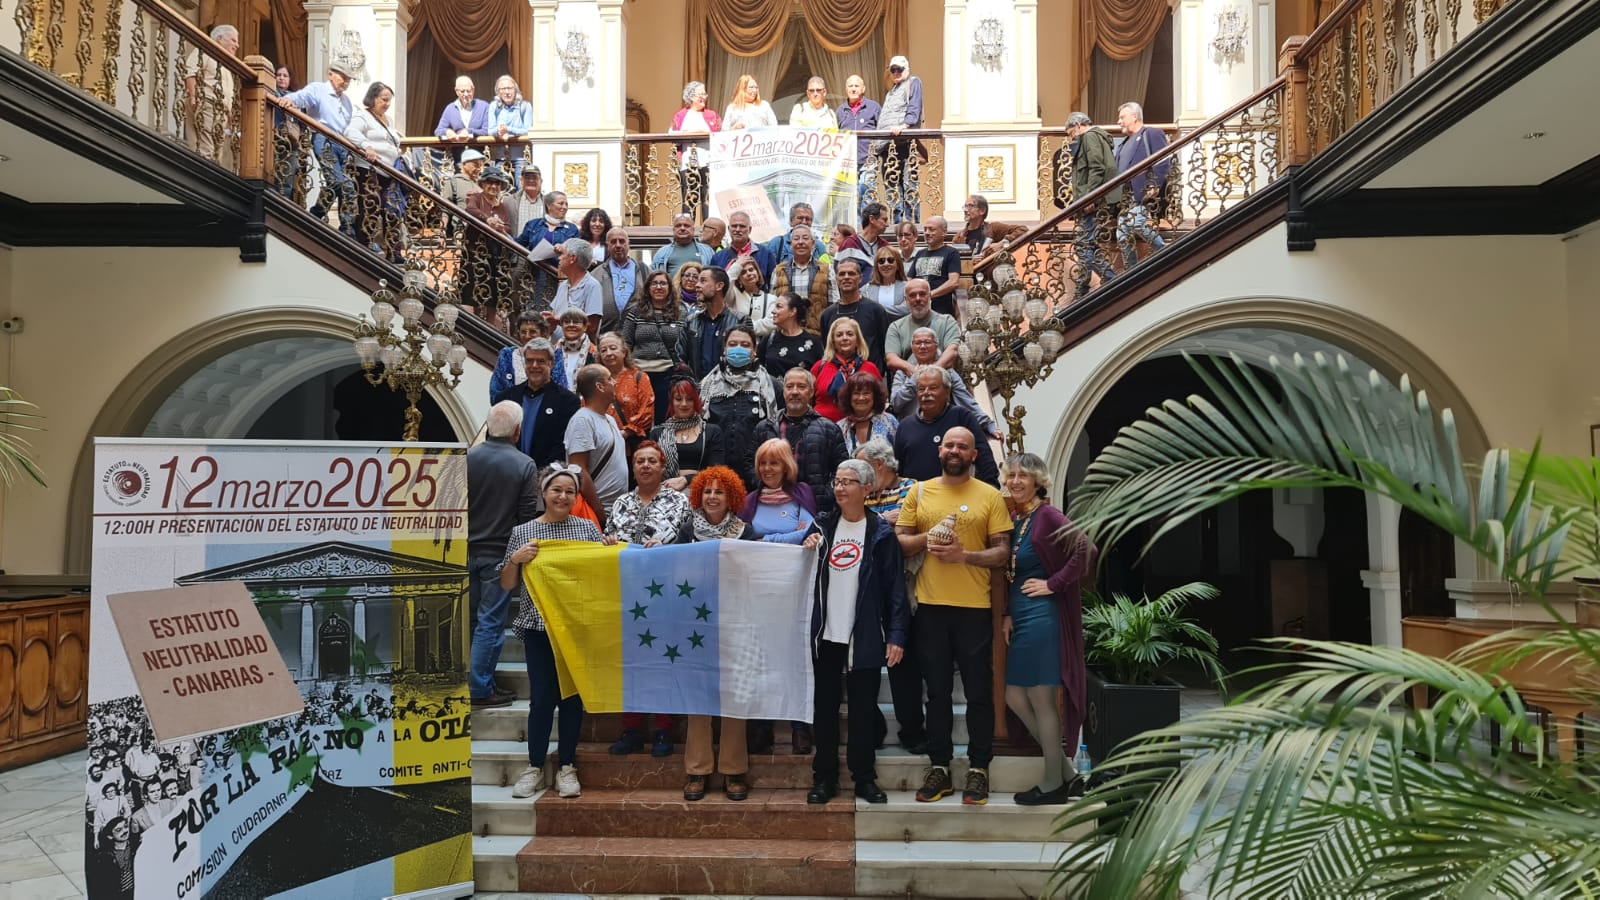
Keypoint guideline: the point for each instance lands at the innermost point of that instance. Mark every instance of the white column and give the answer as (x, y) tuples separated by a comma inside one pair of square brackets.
[(361, 618), (1382, 577), (991, 108), (1211, 75), (369, 37), (308, 641), (580, 120)]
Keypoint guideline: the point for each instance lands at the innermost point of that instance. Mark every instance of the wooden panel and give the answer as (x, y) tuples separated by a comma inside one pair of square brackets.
[(44, 677)]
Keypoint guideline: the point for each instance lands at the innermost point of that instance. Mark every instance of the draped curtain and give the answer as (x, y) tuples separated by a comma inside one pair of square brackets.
[(723, 70), (751, 28), (1115, 82), (837, 66), (1122, 29), (289, 33), (470, 32)]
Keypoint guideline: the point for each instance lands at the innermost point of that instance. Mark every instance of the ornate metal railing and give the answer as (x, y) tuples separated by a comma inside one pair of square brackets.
[(1195, 179), (661, 177), (1055, 167), (1366, 50), (431, 159), (154, 66), (395, 215)]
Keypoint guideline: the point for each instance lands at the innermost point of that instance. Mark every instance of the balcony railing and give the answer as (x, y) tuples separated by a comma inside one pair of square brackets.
[(1192, 181), (154, 66), (1055, 190), (904, 172)]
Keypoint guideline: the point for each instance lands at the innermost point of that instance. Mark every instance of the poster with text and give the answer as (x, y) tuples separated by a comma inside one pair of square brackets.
[(784, 166), (355, 557)]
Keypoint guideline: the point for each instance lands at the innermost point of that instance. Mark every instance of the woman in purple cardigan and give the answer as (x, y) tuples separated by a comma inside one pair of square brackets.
[(1043, 622)]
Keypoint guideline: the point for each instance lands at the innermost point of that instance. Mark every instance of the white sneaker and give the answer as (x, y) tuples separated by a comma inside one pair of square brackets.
[(567, 782), (528, 783)]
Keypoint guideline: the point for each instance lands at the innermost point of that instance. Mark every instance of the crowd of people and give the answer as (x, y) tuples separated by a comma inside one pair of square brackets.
[(723, 405)]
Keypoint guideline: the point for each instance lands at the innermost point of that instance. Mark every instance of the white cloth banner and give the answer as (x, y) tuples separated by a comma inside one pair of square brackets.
[(765, 171)]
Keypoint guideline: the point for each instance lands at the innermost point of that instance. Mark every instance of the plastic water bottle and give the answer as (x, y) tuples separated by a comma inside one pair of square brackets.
[(1081, 763)]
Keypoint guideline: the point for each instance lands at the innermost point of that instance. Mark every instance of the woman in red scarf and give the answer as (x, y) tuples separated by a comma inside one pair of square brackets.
[(841, 358)]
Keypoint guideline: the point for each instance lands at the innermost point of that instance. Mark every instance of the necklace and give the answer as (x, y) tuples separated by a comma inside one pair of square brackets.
[(1020, 535)]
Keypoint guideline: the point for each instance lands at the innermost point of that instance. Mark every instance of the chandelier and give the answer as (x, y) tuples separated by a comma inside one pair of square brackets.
[(1233, 27), (988, 44), (575, 61), (1011, 339), (413, 357)]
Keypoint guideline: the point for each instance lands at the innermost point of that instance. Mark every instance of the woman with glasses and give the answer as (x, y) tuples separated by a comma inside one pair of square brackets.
[(746, 109), (653, 325), (888, 283), (905, 239), (559, 485), (693, 118), (688, 282)]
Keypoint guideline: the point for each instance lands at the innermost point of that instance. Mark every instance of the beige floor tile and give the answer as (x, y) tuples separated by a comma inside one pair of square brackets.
[(43, 819), (49, 887)]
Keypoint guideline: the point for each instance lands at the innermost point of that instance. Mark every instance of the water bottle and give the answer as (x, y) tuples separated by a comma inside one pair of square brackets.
[(1081, 763)]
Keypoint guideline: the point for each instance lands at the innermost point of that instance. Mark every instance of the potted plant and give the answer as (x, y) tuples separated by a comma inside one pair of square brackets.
[(15, 451), (1129, 645)]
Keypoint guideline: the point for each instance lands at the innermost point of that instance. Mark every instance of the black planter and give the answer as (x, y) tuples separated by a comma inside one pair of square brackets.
[(1117, 712)]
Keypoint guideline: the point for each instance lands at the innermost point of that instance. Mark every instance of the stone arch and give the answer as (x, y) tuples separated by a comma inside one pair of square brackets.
[(132, 404)]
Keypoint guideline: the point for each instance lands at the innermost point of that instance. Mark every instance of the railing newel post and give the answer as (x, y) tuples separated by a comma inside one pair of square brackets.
[(1296, 99)]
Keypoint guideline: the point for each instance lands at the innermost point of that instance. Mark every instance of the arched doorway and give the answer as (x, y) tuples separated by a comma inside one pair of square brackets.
[(1427, 558)]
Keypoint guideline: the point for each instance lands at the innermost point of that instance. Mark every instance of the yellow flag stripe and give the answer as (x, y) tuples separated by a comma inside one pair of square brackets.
[(583, 617)]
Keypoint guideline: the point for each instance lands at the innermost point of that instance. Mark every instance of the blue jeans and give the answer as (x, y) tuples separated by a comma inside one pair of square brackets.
[(490, 604), (1086, 243), (545, 701), (1136, 223), (337, 185)]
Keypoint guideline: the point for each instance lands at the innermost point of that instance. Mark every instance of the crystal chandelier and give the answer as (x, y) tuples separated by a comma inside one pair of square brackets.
[(415, 356), (1011, 339)]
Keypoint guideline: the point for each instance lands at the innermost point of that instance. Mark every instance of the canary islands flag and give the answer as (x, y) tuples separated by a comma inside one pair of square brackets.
[(717, 628)]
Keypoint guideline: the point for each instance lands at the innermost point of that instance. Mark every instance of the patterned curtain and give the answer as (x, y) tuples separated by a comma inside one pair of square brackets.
[(1122, 29), (470, 32)]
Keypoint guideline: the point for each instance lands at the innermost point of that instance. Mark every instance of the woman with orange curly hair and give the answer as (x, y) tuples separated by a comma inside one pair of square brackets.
[(714, 495)]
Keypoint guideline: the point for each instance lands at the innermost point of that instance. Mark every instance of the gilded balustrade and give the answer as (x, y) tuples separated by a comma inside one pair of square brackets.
[(1055, 163), (1194, 180), (154, 66), (663, 175), (1366, 50)]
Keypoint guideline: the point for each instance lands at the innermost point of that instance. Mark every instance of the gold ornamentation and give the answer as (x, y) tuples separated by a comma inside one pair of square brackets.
[(414, 358), (991, 174), (575, 179)]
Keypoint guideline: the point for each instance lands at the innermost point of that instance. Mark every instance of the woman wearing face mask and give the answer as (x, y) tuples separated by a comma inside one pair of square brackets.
[(739, 396), (841, 358)]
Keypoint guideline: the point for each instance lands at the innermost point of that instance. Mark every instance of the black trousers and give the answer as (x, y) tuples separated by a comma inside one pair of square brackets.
[(905, 688), (950, 638), (860, 688)]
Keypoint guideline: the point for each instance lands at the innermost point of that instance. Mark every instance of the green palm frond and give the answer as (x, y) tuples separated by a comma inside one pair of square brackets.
[(1338, 789), (16, 452), (1135, 640), (1318, 425)]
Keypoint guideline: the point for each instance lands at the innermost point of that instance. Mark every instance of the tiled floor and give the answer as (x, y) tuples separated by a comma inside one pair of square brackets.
[(41, 830)]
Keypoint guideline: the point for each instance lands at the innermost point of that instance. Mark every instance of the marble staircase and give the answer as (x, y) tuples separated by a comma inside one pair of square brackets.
[(632, 833)]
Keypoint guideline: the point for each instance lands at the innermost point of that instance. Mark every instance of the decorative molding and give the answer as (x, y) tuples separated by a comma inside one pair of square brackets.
[(334, 559)]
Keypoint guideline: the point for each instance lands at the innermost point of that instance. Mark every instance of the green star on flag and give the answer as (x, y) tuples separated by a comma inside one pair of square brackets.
[(646, 639), (672, 652), (702, 612), (654, 587), (638, 612), (697, 639), (686, 590)]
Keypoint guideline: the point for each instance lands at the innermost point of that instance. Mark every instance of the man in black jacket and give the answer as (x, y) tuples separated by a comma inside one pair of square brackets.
[(818, 444), (916, 444), (546, 407), (503, 491)]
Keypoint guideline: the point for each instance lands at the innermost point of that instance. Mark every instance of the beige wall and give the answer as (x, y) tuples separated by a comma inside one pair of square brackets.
[(152, 295), (1058, 40), (655, 39), (927, 61)]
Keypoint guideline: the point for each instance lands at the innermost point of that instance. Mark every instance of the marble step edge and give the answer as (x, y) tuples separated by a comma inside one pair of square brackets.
[(1038, 856), (514, 671)]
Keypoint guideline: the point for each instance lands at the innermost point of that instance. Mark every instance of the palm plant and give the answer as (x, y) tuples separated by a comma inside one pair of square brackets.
[(15, 451), (1134, 641), (1324, 782)]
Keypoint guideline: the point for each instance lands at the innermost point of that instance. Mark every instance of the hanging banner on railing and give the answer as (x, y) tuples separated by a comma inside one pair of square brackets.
[(765, 171), (355, 557)]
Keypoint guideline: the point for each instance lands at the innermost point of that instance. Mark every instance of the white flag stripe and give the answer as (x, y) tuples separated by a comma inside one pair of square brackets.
[(764, 594)]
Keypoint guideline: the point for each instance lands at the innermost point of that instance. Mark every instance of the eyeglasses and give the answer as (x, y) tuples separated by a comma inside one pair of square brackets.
[(886, 262), (816, 91), (843, 482), (896, 70)]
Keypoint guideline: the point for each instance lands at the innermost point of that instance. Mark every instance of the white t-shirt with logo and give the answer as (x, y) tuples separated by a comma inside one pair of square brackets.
[(844, 579)]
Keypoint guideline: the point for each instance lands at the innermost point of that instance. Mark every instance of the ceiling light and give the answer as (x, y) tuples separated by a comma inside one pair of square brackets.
[(1533, 135)]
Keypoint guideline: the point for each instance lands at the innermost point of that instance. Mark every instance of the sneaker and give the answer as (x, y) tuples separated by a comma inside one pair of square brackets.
[(528, 783), (631, 741), (567, 782), (936, 785), (662, 745), (976, 793)]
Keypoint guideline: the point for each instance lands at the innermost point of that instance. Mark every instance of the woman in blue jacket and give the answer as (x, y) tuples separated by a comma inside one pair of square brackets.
[(858, 624)]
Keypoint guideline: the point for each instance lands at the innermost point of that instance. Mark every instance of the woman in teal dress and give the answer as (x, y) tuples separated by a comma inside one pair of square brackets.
[(1043, 622)]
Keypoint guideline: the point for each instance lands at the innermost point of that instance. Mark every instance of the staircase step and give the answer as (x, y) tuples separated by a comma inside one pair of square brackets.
[(662, 813), (676, 866), (959, 695), (498, 762), (504, 723), (496, 812), (904, 819), (966, 869), (494, 862)]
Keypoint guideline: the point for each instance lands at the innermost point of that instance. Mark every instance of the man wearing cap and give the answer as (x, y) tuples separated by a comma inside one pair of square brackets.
[(902, 109), (528, 205), (465, 180), (464, 119), (1093, 164), (325, 101), (498, 265)]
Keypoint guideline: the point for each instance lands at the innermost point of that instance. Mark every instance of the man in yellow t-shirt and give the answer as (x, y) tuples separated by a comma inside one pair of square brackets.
[(952, 628)]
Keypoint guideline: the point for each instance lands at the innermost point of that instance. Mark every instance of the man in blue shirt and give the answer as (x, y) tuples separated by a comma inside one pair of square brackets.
[(325, 101), (464, 119), (858, 113), (1144, 190), (510, 119), (799, 214), (683, 249)]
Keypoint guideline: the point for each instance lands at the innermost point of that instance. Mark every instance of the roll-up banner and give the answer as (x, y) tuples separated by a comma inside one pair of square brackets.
[(765, 171)]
